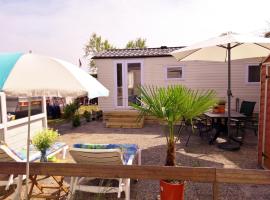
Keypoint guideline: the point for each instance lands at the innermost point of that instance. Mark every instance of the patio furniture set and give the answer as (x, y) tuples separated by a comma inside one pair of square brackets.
[(95, 154), (218, 123)]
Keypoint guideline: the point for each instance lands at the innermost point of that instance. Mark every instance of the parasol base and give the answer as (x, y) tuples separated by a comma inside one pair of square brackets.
[(229, 146)]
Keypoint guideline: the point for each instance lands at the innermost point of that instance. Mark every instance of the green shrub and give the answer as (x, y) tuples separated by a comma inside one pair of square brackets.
[(71, 109), (89, 108), (76, 120), (44, 139), (87, 115)]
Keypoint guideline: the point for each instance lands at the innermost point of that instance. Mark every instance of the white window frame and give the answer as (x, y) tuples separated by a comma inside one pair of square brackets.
[(125, 63), (174, 66), (246, 74), (115, 83)]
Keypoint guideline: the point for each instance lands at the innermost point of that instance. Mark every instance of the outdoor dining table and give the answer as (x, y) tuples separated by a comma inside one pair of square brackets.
[(234, 114), (218, 124)]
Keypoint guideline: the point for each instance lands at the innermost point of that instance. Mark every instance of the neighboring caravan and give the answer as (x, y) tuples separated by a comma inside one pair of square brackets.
[(122, 70)]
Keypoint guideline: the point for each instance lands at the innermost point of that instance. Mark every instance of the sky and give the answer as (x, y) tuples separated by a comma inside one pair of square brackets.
[(61, 28)]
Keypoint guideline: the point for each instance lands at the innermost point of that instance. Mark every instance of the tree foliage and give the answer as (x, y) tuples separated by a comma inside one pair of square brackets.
[(266, 32), (172, 105), (97, 44), (94, 45), (138, 43)]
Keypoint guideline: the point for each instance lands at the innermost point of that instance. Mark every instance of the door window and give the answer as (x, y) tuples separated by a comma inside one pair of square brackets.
[(119, 74), (133, 82)]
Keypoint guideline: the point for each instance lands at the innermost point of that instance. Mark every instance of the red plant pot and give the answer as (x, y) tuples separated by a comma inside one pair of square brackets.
[(170, 191), (221, 108)]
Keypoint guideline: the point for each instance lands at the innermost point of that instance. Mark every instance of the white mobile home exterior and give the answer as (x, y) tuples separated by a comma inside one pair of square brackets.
[(158, 69)]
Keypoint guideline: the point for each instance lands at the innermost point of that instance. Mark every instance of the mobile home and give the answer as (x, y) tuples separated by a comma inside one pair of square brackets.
[(122, 70)]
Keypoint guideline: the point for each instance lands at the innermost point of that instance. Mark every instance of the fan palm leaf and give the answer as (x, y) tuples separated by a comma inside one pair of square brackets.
[(173, 104)]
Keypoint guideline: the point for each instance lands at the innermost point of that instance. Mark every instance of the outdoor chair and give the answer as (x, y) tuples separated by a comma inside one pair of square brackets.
[(9, 155), (202, 124), (249, 121), (100, 157)]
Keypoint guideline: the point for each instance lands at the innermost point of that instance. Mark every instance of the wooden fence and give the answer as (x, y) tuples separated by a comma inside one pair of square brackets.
[(195, 174)]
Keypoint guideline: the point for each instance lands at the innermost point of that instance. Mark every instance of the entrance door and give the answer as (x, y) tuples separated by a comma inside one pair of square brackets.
[(128, 76), (266, 131)]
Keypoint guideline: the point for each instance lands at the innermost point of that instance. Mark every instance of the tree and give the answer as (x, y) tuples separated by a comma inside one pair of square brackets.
[(267, 30), (138, 43), (95, 45), (172, 105)]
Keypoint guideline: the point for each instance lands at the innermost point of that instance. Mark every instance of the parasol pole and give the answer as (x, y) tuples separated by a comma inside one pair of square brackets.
[(27, 148), (229, 92)]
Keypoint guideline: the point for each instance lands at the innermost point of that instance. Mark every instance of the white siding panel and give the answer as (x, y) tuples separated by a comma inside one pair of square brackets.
[(106, 77), (197, 75), (205, 75)]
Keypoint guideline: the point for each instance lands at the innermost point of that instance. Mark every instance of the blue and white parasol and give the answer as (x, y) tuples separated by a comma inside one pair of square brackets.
[(29, 75)]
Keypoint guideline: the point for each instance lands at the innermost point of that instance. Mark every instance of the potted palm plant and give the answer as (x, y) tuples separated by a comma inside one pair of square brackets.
[(172, 105), (43, 141)]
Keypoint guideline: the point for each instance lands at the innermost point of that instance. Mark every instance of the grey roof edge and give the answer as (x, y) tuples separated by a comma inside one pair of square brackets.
[(113, 55), (144, 56)]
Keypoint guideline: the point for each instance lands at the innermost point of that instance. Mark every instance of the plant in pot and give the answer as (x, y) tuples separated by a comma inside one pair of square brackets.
[(43, 141), (71, 113), (76, 120), (70, 110), (87, 116), (171, 105), (221, 105)]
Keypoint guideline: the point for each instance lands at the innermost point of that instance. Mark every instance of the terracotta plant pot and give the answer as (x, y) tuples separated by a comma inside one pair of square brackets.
[(171, 191), (221, 108)]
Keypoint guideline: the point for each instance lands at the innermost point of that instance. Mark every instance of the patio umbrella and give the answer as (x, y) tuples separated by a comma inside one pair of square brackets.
[(29, 75), (226, 47)]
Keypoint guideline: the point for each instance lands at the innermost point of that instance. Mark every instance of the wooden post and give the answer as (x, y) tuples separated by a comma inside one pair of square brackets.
[(4, 113), (264, 110), (215, 190), (215, 187), (44, 111)]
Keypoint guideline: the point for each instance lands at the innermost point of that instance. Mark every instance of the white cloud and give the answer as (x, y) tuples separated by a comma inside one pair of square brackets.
[(60, 28)]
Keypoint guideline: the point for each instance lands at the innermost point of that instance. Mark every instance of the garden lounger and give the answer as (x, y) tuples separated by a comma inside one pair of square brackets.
[(9, 155), (102, 156)]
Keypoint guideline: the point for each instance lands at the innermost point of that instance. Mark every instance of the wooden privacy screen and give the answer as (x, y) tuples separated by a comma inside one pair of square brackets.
[(195, 174)]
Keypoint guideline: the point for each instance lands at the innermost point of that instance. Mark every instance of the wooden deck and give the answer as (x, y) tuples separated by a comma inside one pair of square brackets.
[(123, 119), (127, 119)]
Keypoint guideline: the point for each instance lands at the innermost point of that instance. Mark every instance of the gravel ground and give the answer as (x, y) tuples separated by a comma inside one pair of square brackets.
[(153, 144)]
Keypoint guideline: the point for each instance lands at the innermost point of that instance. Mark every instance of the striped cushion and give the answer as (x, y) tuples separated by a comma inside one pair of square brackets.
[(127, 149)]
